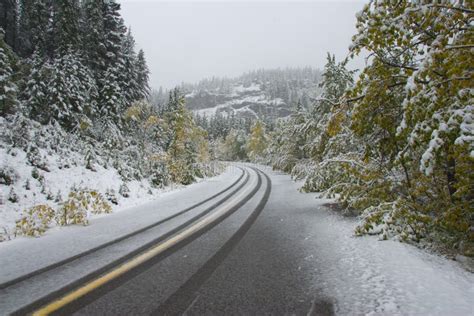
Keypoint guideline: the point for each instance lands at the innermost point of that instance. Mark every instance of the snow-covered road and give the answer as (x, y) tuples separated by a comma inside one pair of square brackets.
[(259, 247)]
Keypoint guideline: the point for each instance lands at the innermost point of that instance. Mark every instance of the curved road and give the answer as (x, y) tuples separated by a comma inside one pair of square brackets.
[(236, 252)]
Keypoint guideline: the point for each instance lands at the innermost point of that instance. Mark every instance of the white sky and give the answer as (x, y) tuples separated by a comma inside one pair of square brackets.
[(191, 40)]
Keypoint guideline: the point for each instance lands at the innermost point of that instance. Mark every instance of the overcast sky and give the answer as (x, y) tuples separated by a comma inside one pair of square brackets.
[(191, 40)]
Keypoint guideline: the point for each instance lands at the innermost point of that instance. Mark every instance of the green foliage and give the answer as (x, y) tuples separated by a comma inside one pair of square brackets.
[(397, 146), (233, 147)]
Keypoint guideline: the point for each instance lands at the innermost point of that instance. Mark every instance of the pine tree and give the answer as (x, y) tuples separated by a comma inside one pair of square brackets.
[(9, 21), (35, 94), (114, 30), (129, 76), (35, 29), (143, 75), (94, 35), (8, 87), (66, 26), (71, 91), (112, 101)]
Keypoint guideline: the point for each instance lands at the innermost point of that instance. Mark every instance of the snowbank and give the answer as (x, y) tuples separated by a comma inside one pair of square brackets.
[(372, 277)]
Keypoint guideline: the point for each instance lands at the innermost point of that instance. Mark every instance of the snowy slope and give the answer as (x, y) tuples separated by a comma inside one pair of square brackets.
[(42, 168), (264, 93), (59, 181), (250, 102)]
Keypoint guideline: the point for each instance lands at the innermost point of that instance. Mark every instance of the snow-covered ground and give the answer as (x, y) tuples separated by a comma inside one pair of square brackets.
[(59, 181), (366, 276)]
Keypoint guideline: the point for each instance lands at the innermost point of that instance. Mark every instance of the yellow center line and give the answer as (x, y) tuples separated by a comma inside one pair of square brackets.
[(140, 259)]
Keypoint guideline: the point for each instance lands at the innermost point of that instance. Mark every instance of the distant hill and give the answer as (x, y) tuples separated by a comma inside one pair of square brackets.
[(258, 94)]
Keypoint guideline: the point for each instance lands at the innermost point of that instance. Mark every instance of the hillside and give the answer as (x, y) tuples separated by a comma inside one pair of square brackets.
[(261, 94)]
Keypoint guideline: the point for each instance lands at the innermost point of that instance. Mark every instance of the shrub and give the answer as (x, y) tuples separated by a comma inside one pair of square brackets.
[(35, 220), (111, 196), (79, 206), (34, 158), (7, 175), (12, 196), (124, 191)]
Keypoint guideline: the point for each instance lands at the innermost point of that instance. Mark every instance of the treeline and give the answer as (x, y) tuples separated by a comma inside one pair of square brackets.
[(70, 61), (288, 84), (73, 64), (73, 93), (397, 145)]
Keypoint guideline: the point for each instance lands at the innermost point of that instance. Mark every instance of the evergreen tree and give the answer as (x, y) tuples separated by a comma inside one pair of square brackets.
[(35, 94), (94, 36), (8, 87), (142, 75), (112, 100), (9, 21), (111, 103), (35, 29), (114, 30), (71, 91), (129, 77), (66, 26)]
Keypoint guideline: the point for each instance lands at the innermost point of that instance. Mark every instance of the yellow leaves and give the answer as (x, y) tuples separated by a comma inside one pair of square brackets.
[(160, 157), (84, 124), (133, 113), (35, 220), (78, 206), (151, 121), (257, 142), (335, 123)]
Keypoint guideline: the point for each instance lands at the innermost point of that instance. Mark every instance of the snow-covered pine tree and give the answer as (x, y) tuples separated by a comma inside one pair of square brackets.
[(71, 91), (35, 94), (94, 35), (114, 30), (8, 87), (66, 26), (129, 76), (34, 28), (112, 102), (142, 75), (9, 22)]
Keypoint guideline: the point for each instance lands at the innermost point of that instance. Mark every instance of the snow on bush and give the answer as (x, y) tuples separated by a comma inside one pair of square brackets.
[(35, 221), (80, 205)]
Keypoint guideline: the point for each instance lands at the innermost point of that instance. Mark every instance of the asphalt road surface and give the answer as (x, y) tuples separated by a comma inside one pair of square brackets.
[(242, 254)]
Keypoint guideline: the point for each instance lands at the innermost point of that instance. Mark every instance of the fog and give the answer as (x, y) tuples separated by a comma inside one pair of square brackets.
[(188, 41)]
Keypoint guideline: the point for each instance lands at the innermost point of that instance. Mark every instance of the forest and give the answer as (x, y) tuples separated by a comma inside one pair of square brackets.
[(392, 143), (74, 110)]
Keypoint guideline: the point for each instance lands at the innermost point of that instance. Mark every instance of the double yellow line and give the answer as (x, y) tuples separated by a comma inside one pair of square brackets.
[(140, 259)]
